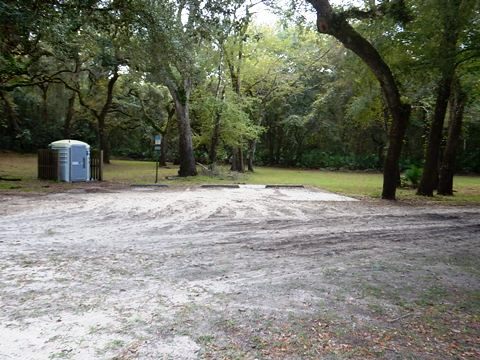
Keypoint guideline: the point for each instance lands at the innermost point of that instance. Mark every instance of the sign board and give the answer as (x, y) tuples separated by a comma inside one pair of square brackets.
[(157, 141)]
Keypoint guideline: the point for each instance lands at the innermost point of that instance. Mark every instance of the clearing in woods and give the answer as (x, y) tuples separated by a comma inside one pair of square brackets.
[(236, 274)]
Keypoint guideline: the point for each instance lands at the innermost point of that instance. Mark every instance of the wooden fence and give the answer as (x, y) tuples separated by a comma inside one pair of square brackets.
[(47, 164), (96, 165)]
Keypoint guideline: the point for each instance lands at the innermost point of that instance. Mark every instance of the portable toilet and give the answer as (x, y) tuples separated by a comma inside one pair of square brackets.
[(73, 160)]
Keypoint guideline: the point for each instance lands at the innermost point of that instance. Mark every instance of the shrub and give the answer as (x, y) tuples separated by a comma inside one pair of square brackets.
[(412, 176), (320, 159)]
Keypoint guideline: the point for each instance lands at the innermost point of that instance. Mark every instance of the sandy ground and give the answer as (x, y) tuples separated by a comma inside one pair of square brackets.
[(246, 273)]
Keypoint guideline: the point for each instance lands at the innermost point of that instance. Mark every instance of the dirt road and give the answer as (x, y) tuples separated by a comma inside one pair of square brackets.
[(244, 273)]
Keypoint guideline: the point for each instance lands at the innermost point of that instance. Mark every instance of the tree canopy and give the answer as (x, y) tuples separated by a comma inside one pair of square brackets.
[(377, 85)]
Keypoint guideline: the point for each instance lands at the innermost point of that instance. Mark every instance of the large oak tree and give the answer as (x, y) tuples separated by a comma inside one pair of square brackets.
[(336, 24)]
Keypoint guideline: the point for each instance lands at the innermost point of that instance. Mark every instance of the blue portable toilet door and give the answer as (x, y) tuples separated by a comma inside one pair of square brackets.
[(78, 163)]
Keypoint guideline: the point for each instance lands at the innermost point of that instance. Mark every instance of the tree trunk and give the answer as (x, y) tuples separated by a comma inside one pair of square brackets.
[(216, 127), (241, 160), (271, 144), (11, 116), (380, 145), (333, 24), (187, 158), (252, 146), (69, 116), (164, 144), (448, 47), (238, 161), (13, 127), (44, 89), (235, 67), (67, 126), (300, 138), (102, 116), (104, 142), (214, 141), (162, 160), (447, 170), (278, 151), (429, 180)]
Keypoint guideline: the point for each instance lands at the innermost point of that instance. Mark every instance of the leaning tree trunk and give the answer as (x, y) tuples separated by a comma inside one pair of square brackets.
[(447, 170), (333, 24), (187, 158)]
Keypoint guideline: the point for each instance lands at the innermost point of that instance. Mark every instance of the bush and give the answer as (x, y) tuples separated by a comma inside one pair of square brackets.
[(470, 162), (412, 176), (320, 159)]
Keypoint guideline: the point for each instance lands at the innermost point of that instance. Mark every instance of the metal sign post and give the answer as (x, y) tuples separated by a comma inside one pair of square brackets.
[(157, 142)]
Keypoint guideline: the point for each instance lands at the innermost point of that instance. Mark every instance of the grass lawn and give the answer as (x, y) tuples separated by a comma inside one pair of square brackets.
[(358, 184)]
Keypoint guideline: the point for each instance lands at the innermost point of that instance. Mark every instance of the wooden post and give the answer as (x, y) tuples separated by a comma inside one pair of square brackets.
[(100, 166), (39, 164)]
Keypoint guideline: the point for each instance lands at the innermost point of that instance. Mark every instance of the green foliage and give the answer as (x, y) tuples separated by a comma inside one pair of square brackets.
[(321, 160), (412, 176), (303, 100), (236, 127), (470, 162)]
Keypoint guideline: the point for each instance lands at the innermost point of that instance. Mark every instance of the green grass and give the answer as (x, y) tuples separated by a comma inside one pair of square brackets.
[(348, 183), (359, 184), (139, 172), (18, 165), (143, 172), (351, 183)]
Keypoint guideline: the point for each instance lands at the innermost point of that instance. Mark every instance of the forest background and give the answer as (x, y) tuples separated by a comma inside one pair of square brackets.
[(222, 86)]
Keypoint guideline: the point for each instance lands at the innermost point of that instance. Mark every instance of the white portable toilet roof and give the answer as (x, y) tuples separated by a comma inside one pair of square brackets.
[(68, 143)]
